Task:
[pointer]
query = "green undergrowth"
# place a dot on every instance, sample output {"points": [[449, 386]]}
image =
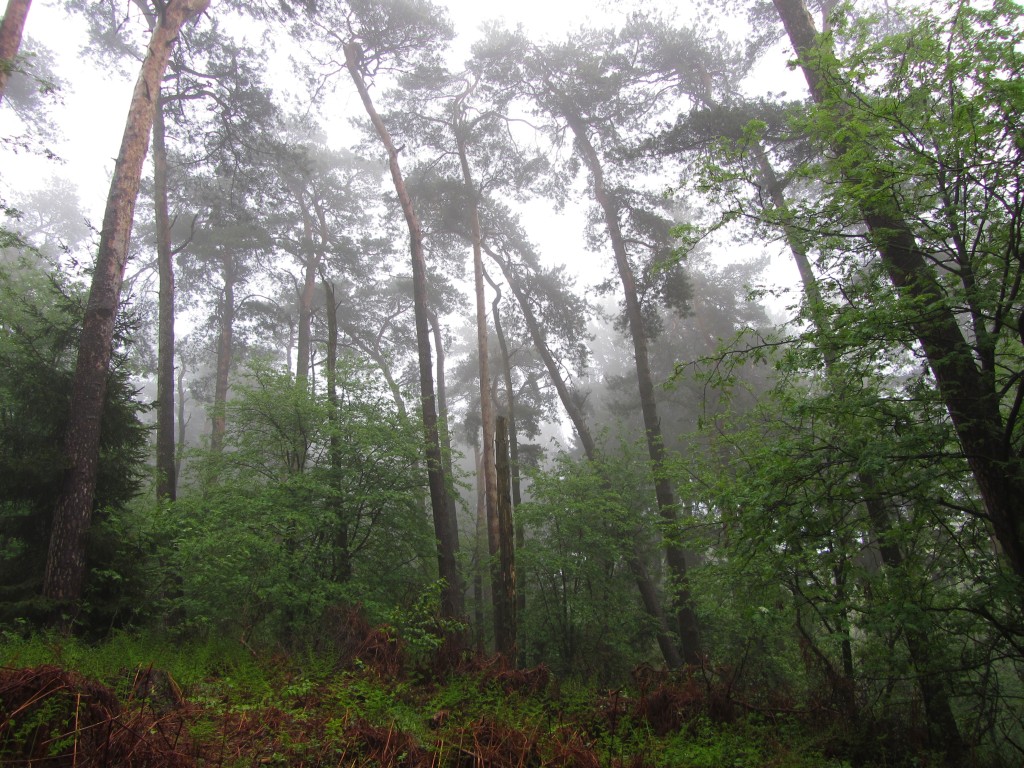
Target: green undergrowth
{"points": [[238, 709]]}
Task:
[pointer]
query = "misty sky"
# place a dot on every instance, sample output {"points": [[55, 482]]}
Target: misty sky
{"points": [[94, 101]]}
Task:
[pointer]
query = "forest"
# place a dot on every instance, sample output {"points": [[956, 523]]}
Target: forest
{"points": [[435, 399]]}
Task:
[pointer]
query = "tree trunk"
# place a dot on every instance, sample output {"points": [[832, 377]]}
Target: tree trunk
{"points": [[444, 527], [478, 555], [225, 344], [510, 404], [504, 619], [378, 357], [65, 563], [11, 30], [313, 257], [513, 437], [444, 430], [179, 453], [503, 573], [539, 338], [648, 592], [689, 634], [341, 555], [942, 723], [972, 404], [166, 467]]}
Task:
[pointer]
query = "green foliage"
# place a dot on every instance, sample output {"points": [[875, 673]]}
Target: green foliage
{"points": [[583, 523], [119, 658], [422, 628], [39, 323], [299, 510], [800, 590]]}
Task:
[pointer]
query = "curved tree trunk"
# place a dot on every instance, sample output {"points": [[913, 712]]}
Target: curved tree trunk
{"points": [[11, 30], [65, 564], [377, 356], [539, 338], [513, 436], [510, 407], [444, 527]]}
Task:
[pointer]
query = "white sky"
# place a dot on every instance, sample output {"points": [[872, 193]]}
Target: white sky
{"points": [[95, 103]]}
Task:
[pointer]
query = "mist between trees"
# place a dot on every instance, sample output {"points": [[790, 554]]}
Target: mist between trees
{"points": [[289, 373]]}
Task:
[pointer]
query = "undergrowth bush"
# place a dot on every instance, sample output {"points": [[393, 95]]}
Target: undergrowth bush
{"points": [[229, 707]]}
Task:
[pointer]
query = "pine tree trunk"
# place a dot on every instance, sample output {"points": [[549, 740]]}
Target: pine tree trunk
{"points": [[686, 618], [11, 30], [65, 563], [182, 423], [309, 267], [444, 431], [513, 437], [225, 348], [645, 585], [478, 556], [342, 556], [539, 338], [166, 467], [444, 526], [504, 620], [503, 579]]}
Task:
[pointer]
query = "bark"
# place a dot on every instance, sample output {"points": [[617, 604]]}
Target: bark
{"points": [[182, 422], [513, 437], [918, 282], [314, 234], [309, 271], [11, 29], [225, 345], [539, 338], [444, 526], [166, 466], [797, 246], [65, 564], [478, 555], [967, 392], [504, 619], [686, 618], [443, 428], [934, 694], [341, 553], [645, 585], [652, 604], [503, 574], [510, 408]]}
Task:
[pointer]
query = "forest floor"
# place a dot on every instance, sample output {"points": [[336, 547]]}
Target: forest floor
{"points": [[134, 702]]}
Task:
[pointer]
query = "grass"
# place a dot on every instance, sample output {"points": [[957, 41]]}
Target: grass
{"points": [[232, 709]]}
